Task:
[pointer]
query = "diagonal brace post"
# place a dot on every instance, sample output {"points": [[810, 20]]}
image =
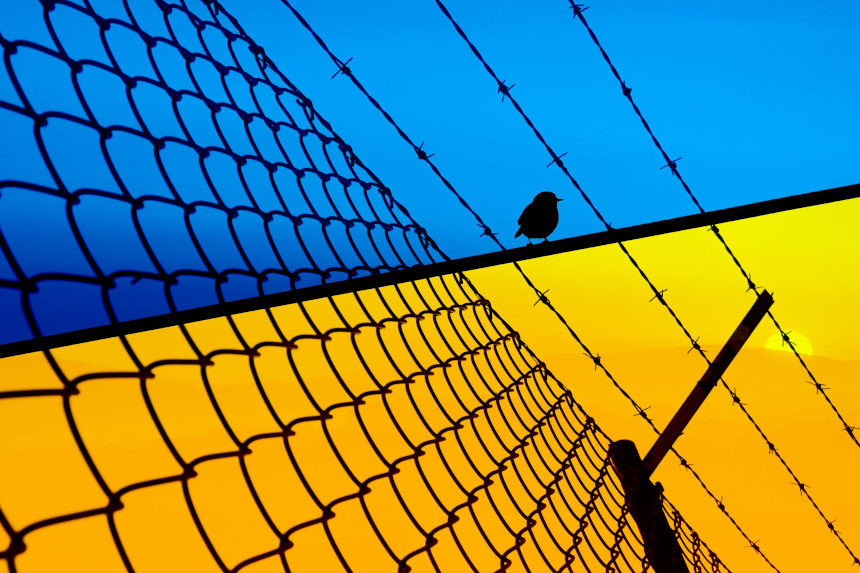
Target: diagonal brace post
{"points": [[709, 379], [645, 499]]}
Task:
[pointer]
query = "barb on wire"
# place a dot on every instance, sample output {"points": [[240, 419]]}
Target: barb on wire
{"points": [[556, 160], [578, 9], [819, 387], [542, 298], [672, 164], [343, 68], [659, 296], [695, 346], [504, 89], [486, 231], [422, 155], [642, 413]]}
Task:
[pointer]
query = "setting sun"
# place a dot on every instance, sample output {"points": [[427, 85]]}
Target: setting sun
{"points": [[800, 342]]}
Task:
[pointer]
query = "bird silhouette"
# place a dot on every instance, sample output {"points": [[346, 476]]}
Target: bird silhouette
{"points": [[540, 217]]}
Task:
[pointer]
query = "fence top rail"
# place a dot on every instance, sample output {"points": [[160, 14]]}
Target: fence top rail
{"points": [[446, 267]]}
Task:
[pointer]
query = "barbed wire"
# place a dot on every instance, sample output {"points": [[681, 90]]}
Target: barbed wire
{"points": [[751, 285], [541, 295], [658, 294], [428, 365]]}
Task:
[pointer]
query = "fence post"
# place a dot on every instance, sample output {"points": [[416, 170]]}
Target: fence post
{"points": [[645, 504]]}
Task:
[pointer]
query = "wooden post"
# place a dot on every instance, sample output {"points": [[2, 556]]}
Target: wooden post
{"points": [[645, 504]]}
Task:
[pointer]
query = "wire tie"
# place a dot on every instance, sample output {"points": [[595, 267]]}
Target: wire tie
{"points": [[422, 238], [387, 198], [488, 310], [543, 371]]}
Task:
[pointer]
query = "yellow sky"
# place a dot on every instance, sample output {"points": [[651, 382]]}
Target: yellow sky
{"points": [[810, 260]]}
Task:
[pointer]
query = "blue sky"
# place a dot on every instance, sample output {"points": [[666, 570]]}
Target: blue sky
{"points": [[760, 100]]}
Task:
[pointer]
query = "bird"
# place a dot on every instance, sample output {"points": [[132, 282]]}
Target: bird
{"points": [[540, 217]]}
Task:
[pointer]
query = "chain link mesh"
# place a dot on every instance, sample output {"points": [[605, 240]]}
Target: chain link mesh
{"points": [[404, 428]]}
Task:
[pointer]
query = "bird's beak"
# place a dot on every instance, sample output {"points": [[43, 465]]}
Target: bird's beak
{"points": [[557, 199]]}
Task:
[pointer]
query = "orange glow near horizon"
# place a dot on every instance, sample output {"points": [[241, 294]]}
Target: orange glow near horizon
{"points": [[810, 260]]}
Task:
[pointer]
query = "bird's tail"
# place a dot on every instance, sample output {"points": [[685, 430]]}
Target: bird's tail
{"points": [[519, 232]]}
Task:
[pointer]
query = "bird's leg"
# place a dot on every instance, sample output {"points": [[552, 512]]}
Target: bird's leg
{"points": [[545, 240], [530, 242]]}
